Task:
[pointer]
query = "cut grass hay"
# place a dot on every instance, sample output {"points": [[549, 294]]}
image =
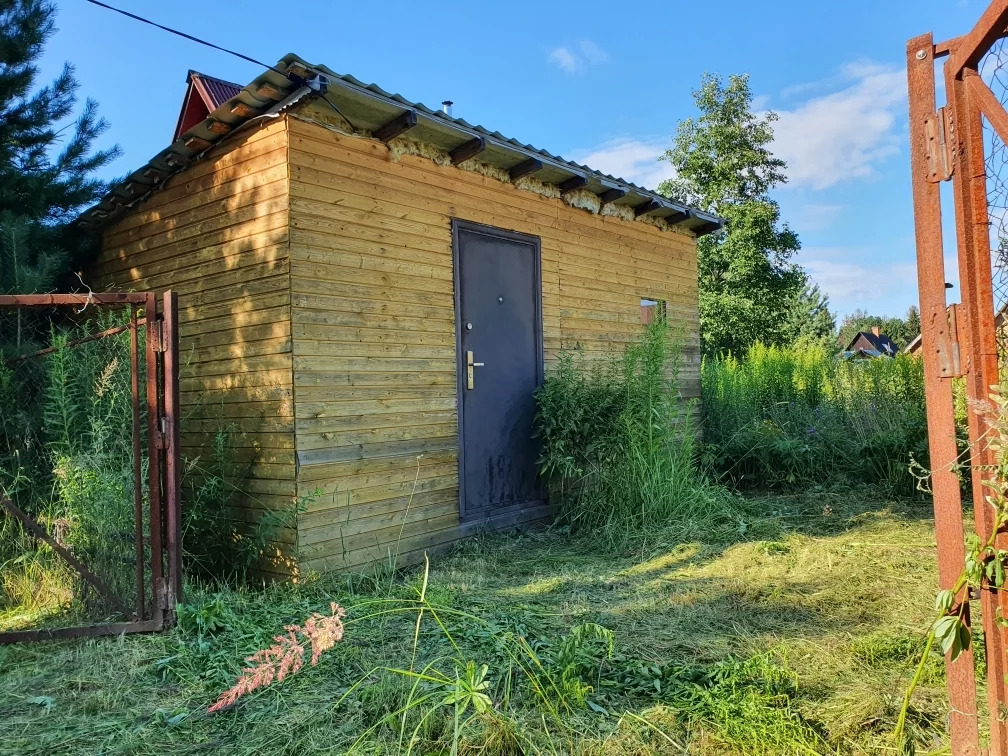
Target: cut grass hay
{"points": [[790, 631]]}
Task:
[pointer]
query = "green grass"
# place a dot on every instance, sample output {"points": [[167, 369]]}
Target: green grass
{"points": [[787, 418], [791, 631]]}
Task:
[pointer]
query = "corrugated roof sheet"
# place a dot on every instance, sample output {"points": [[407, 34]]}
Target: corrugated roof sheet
{"points": [[215, 92], [369, 107]]}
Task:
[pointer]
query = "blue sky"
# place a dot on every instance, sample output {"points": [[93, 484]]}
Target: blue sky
{"points": [[604, 83]]}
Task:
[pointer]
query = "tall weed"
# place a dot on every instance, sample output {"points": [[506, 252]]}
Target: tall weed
{"points": [[617, 441], [790, 418], [66, 459]]}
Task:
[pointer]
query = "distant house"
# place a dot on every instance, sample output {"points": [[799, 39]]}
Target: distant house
{"points": [[868, 345], [914, 346]]}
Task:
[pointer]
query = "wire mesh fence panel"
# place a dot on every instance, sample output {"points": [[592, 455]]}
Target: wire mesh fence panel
{"points": [[993, 70], [75, 537]]}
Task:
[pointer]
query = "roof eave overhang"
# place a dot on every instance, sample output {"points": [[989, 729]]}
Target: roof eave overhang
{"points": [[698, 221], [273, 92], [267, 95]]}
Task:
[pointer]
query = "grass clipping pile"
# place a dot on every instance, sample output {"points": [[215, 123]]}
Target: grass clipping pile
{"points": [[792, 632]]}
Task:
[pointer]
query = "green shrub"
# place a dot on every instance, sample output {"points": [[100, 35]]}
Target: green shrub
{"points": [[783, 418], [617, 444], [66, 459]]}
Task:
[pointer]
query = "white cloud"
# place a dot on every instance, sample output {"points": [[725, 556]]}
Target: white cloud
{"points": [[575, 58], [592, 52], [853, 279], [843, 134], [846, 280], [564, 59], [635, 160]]}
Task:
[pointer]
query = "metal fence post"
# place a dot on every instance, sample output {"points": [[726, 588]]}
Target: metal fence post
{"points": [[172, 479], [936, 339], [154, 458]]}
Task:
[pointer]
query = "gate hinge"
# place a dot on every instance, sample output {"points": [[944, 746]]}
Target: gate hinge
{"points": [[162, 437], [938, 136], [158, 337], [949, 354]]}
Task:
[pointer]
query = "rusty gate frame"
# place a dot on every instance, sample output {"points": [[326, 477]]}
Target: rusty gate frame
{"points": [[162, 401], [958, 340]]}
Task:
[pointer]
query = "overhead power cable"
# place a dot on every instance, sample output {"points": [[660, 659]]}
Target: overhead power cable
{"points": [[199, 41], [190, 37]]}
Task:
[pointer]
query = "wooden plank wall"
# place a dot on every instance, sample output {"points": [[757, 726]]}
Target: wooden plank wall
{"points": [[373, 327], [218, 234]]}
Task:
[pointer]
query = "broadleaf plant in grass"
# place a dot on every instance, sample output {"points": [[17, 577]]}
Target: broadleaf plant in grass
{"points": [[985, 566]]}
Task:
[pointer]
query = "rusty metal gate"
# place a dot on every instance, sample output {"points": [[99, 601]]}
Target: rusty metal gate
{"points": [[963, 142], [117, 570]]}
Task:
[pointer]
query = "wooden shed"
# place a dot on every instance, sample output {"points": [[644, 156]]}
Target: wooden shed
{"points": [[370, 291]]}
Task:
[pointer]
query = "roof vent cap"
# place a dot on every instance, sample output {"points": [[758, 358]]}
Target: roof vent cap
{"points": [[446, 106]]}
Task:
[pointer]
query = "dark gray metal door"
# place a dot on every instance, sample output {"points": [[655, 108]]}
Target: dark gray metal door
{"points": [[498, 316]]}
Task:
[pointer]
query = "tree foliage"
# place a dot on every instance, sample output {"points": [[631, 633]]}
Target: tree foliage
{"points": [[723, 162], [810, 322], [48, 160], [46, 166], [913, 323]]}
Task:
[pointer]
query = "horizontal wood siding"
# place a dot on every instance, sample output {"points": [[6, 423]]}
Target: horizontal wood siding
{"points": [[218, 234], [372, 325]]}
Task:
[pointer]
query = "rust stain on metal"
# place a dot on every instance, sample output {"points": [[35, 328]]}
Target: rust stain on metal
{"points": [[154, 455], [963, 342], [75, 342], [989, 105], [969, 204], [970, 192], [172, 469], [970, 47], [939, 160], [137, 474], [63, 300], [936, 341]]}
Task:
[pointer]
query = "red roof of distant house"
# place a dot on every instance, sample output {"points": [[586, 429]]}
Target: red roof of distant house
{"points": [[210, 93]]}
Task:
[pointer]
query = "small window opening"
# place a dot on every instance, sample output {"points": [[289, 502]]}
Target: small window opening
{"points": [[652, 310]]}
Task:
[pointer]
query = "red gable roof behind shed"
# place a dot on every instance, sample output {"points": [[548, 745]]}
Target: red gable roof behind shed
{"points": [[203, 95]]}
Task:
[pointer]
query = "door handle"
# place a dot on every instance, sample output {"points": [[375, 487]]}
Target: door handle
{"points": [[470, 370]]}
